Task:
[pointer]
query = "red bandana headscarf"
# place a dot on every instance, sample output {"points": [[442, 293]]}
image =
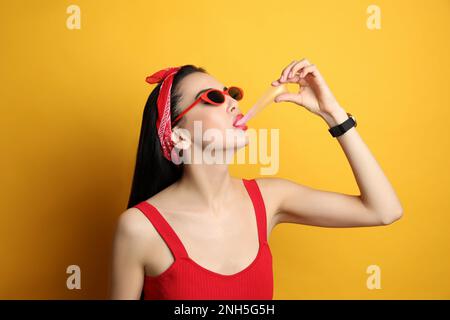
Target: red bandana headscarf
{"points": [[164, 123]]}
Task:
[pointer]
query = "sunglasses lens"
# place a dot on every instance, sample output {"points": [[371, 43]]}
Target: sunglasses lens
{"points": [[236, 93], [216, 96]]}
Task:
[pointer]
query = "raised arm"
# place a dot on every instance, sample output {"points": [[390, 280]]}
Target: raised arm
{"points": [[377, 203]]}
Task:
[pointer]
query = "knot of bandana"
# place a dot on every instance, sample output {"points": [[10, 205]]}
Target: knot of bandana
{"points": [[163, 122]]}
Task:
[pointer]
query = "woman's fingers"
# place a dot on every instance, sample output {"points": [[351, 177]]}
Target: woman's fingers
{"points": [[296, 72], [290, 97], [301, 64], [289, 73], [295, 79], [285, 72], [309, 69]]}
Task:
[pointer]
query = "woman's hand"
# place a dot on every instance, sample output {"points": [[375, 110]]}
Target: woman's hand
{"points": [[314, 93]]}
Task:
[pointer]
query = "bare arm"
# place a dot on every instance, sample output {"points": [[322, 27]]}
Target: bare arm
{"points": [[128, 251], [376, 205], [377, 194], [292, 202]]}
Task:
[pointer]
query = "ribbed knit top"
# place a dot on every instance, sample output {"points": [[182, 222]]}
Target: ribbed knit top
{"points": [[185, 279]]}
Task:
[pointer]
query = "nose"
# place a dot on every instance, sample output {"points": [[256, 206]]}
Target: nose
{"points": [[233, 107]]}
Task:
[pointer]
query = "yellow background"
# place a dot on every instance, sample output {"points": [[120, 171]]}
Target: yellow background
{"points": [[71, 108]]}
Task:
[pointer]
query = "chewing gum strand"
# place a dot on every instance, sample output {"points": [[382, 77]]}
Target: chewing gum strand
{"points": [[266, 99]]}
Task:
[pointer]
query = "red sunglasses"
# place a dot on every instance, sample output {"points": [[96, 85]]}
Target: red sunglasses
{"points": [[214, 97]]}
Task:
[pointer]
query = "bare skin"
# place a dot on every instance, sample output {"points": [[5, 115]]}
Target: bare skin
{"points": [[212, 212]]}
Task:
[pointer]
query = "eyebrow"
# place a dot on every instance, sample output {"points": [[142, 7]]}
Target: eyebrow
{"points": [[201, 91]]}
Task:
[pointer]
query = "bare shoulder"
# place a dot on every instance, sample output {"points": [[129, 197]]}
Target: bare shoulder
{"points": [[133, 224], [276, 187], [134, 227], [272, 190], [273, 181]]}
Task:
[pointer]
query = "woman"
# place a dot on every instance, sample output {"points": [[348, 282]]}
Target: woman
{"points": [[192, 231]]}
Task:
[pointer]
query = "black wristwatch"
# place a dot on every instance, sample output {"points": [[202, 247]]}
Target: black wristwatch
{"points": [[342, 128]]}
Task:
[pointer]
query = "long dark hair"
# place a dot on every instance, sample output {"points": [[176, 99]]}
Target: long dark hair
{"points": [[153, 172]]}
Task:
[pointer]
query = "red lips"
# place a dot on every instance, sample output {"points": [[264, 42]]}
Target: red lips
{"points": [[241, 126]]}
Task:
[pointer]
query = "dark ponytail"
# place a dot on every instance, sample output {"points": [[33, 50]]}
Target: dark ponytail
{"points": [[153, 172]]}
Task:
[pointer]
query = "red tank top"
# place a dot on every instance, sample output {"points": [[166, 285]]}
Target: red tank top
{"points": [[187, 280]]}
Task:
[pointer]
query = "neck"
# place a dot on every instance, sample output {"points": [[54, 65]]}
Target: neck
{"points": [[207, 183]]}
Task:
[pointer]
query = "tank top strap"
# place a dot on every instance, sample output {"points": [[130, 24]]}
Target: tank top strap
{"points": [[164, 229], [260, 209]]}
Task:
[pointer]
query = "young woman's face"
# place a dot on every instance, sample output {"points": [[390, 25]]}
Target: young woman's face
{"points": [[215, 122]]}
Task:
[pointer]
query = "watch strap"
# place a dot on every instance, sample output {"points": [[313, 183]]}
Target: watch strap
{"points": [[340, 129]]}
